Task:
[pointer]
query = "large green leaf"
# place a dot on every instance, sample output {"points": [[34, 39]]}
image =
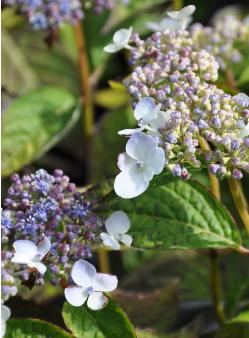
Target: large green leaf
{"points": [[178, 215], [110, 322], [33, 328], [33, 123], [238, 327], [17, 74]]}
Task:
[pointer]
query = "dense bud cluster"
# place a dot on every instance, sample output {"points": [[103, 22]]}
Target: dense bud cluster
{"points": [[222, 39], [169, 68], [42, 205], [49, 14]]}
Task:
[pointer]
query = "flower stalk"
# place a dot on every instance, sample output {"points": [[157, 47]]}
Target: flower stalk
{"points": [[87, 114], [213, 254], [240, 201]]}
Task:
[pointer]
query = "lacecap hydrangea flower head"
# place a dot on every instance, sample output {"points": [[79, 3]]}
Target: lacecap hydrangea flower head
{"points": [[48, 229], [177, 103]]}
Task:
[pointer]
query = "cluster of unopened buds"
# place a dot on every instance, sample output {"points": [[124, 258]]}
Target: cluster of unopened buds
{"points": [[48, 228], [177, 106], [49, 14]]}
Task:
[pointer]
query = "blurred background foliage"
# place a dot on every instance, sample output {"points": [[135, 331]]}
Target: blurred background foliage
{"points": [[165, 294]]}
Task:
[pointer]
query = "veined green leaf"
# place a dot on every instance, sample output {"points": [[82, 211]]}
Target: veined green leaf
{"points": [[33, 123], [34, 328], [177, 215], [110, 322]]}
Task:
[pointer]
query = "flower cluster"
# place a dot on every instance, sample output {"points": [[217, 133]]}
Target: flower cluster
{"points": [[50, 226], [48, 14], [177, 103], [222, 39]]}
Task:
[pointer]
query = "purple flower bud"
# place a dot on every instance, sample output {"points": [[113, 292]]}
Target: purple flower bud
{"points": [[237, 174]]}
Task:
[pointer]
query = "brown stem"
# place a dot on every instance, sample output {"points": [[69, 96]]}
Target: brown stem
{"points": [[87, 114]]}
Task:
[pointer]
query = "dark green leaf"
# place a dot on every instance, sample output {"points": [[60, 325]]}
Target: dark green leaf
{"points": [[33, 123], [17, 74], [33, 328], [178, 215], [110, 322]]}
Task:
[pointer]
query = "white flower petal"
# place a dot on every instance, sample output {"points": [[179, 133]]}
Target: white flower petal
{"points": [[183, 13], [97, 301], [125, 162], [104, 282], [25, 251], [145, 110], [140, 146], [128, 132], [242, 99], [148, 173], [244, 132], [158, 160], [83, 273], [75, 295], [127, 186], [43, 247], [38, 266], [5, 312], [117, 223], [112, 48], [109, 241], [126, 240], [122, 36]]}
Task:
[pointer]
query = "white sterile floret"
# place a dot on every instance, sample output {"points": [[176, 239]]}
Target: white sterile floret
{"points": [[142, 160], [242, 100], [168, 23], [184, 17], [244, 132], [183, 14], [116, 226], [27, 252], [90, 286], [149, 117], [120, 40], [5, 314]]}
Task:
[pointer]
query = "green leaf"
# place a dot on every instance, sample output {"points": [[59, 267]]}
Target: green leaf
{"points": [[237, 327], [178, 215], [109, 322], [34, 328], [33, 123], [244, 77], [111, 98], [17, 74]]}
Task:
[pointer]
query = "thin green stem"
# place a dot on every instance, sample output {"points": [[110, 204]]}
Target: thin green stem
{"points": [[216, 285], [240, 201], [215, 282]]}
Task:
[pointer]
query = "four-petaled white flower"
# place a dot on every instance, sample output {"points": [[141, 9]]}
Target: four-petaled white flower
{"points": [[242, 100], [244, 132], [176, 20], [120, 40], [149, 117], [117, 225], [90, 286], [27, 252], [143, 159], [5, 314]]}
